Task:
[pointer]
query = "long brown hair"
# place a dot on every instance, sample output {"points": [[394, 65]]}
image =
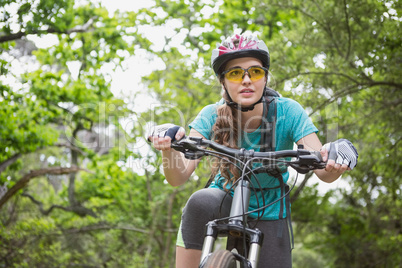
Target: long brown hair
{"points": [[226, 131]]}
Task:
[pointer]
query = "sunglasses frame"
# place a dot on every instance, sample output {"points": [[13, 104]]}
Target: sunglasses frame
{"points": [[245, 71]]}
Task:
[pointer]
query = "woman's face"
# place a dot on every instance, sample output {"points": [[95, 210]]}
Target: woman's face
{"points": [[245, 92]]}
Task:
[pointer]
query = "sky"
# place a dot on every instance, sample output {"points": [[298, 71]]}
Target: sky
{"points": [[128, 81]]}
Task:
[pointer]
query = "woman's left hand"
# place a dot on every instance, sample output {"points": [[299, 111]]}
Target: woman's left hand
{"points": [[341, 155]]}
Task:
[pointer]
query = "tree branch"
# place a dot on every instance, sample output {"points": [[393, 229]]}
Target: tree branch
{"points": [[71, 147], [11, 160], [320, 73], [373, 83], [76, 29], [105, 227], [32, 174], [40, 205], [346, 91], [354, 89]]}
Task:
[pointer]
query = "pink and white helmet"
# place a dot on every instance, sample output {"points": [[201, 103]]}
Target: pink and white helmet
{"points": [[239, 46]]}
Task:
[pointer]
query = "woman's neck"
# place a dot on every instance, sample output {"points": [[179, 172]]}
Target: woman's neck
{"points": [[251, 120]]}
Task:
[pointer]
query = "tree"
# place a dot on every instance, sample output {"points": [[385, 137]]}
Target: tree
{"points": [[64, 154], [340, 60]]}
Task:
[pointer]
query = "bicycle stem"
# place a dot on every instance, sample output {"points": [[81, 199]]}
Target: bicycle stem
{"points": [[241, 199]]}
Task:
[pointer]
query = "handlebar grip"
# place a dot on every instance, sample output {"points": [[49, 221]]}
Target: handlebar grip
{"points": [[171, 132]]}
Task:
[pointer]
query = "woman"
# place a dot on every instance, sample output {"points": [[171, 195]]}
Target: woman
{"points": [[241, 64]]}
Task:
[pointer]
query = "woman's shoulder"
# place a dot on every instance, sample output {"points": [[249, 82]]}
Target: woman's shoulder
{"points": [[289, 107], [287, 101], [205, 120], [207, 114], [210, 108]]}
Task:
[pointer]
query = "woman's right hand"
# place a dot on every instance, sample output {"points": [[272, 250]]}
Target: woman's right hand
{"points": [[176, 167], [162, 136]]}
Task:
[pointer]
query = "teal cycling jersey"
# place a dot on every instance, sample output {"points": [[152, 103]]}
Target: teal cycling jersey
{"points": [[292, 124]]}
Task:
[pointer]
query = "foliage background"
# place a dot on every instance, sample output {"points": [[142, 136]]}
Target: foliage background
{"points": [[69, 193]]}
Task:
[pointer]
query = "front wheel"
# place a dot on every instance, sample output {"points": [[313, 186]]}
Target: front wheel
{"points": [[221, 259]]}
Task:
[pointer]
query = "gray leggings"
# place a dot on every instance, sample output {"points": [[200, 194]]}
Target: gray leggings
{"points": [[203, 206]]}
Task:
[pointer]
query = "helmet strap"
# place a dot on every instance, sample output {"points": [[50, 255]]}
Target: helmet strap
{"points": [[237, 106]]}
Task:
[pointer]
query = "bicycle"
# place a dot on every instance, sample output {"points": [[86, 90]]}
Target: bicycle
{"points": [[235, 226]]}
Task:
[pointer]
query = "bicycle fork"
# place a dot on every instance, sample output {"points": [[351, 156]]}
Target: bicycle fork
{"points": [[236, 228]]}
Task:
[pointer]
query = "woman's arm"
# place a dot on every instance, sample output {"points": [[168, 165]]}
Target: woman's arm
{"points": [[332, 171], [176, 167]]}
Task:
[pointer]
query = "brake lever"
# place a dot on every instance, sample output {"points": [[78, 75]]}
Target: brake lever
{"points": [[308, 161], [320, 164], [190, 147]]}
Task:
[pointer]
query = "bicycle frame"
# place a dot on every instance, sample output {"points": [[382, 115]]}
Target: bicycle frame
{"points": [[194, 148], [235, 228]]}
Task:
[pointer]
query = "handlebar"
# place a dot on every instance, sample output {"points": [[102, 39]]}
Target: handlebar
{"points": [[196, 147]]}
